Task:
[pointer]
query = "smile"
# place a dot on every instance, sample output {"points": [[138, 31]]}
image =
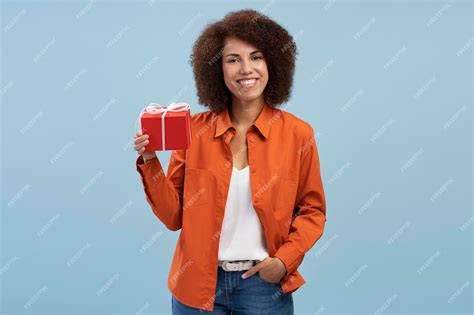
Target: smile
{"points": [[247, 84]]}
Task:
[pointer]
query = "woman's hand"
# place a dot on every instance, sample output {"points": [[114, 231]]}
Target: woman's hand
{"points": [[140, 142], [271, 269]]}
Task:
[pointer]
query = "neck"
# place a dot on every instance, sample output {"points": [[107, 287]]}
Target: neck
{"points": [[243, 114]]}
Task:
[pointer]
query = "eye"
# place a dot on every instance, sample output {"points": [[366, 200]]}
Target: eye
{"points": [[231, 60], [257, 57]]}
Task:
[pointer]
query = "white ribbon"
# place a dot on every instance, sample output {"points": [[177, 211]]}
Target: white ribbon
{"points": [[155, 109]]}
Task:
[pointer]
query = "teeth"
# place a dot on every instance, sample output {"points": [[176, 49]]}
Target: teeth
{"points": [[248, 83]]}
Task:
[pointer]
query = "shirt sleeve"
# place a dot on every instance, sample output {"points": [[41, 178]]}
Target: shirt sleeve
{"points": [[310, 218], [165, 193]]}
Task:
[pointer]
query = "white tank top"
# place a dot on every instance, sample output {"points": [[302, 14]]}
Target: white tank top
{"points": [[242, 236]]}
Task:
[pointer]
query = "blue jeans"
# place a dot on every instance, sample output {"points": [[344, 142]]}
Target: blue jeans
{"points": [[238, 296]]}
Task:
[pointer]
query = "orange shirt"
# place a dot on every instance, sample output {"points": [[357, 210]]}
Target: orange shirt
{"points": [[287, 194]]}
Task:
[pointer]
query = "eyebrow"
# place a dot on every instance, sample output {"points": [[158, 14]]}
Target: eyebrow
{"points": [[237, 55]]}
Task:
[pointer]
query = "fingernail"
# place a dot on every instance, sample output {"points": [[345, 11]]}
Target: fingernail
{"points": [[244, 277]]}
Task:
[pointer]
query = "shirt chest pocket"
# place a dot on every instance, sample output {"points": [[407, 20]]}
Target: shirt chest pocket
{"points": [[197, 189]]}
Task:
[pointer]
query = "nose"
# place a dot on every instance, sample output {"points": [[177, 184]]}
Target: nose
{"points": [[246, 67]]}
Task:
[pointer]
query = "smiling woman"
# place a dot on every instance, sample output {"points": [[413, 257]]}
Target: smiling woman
{"points": [[247, 194], [270, 47], [245, 69]]}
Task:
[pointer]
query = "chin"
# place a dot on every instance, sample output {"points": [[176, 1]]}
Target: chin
{"points": [[248, 97]]}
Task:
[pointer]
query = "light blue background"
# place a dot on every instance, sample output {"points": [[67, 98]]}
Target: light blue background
{"points": [[62, 134]]}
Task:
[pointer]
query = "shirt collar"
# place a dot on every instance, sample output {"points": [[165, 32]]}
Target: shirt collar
{"points": [[262, 123]]}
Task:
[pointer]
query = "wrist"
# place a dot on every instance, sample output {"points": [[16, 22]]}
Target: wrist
{"points": [[145, 160]]}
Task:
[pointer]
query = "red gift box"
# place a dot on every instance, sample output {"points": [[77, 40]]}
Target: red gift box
{"points": [[169, 128]]}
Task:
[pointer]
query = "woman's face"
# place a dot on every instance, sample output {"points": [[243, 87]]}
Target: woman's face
{"points": [[245, 69]]}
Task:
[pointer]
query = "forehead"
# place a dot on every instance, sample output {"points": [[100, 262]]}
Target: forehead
{"points": [[234, 44]]}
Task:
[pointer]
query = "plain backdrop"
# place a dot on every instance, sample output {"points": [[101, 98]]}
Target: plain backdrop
{"points": [[386, 85]]}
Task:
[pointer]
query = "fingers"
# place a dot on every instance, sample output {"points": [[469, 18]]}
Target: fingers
{"points": [[140, 138], [255, 268], [140, 146], [251, 271], [140, 142]]}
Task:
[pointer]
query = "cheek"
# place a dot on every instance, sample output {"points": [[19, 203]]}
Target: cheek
{"points": [[225, 72], [264, 72], [228, 75], [227, 78], [264, 78]]}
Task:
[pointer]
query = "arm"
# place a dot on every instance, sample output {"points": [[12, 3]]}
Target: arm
{"points": [[164, 193], [308, 225]]}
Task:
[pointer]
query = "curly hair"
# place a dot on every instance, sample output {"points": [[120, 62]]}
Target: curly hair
{"points": [[276, 44]]}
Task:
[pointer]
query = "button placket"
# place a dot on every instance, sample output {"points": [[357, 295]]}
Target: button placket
{"points": [[250, 145], [253, 178], [227, 139]]}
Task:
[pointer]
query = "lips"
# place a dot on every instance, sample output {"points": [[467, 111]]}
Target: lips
{"points": [[247, 83]]}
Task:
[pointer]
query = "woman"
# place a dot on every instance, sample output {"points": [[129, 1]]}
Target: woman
{"points": [[247, 194]]}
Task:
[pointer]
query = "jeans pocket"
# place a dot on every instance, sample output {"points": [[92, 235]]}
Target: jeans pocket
{"points": [[265, 281]]}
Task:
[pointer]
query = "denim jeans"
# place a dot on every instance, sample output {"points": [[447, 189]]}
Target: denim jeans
{"points": [[238, 296]]}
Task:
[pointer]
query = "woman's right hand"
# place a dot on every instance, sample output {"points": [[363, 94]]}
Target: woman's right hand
{"points": [[140, 142]]}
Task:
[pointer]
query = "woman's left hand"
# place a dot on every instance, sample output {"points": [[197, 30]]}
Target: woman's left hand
{"points": [[271, 269]]}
